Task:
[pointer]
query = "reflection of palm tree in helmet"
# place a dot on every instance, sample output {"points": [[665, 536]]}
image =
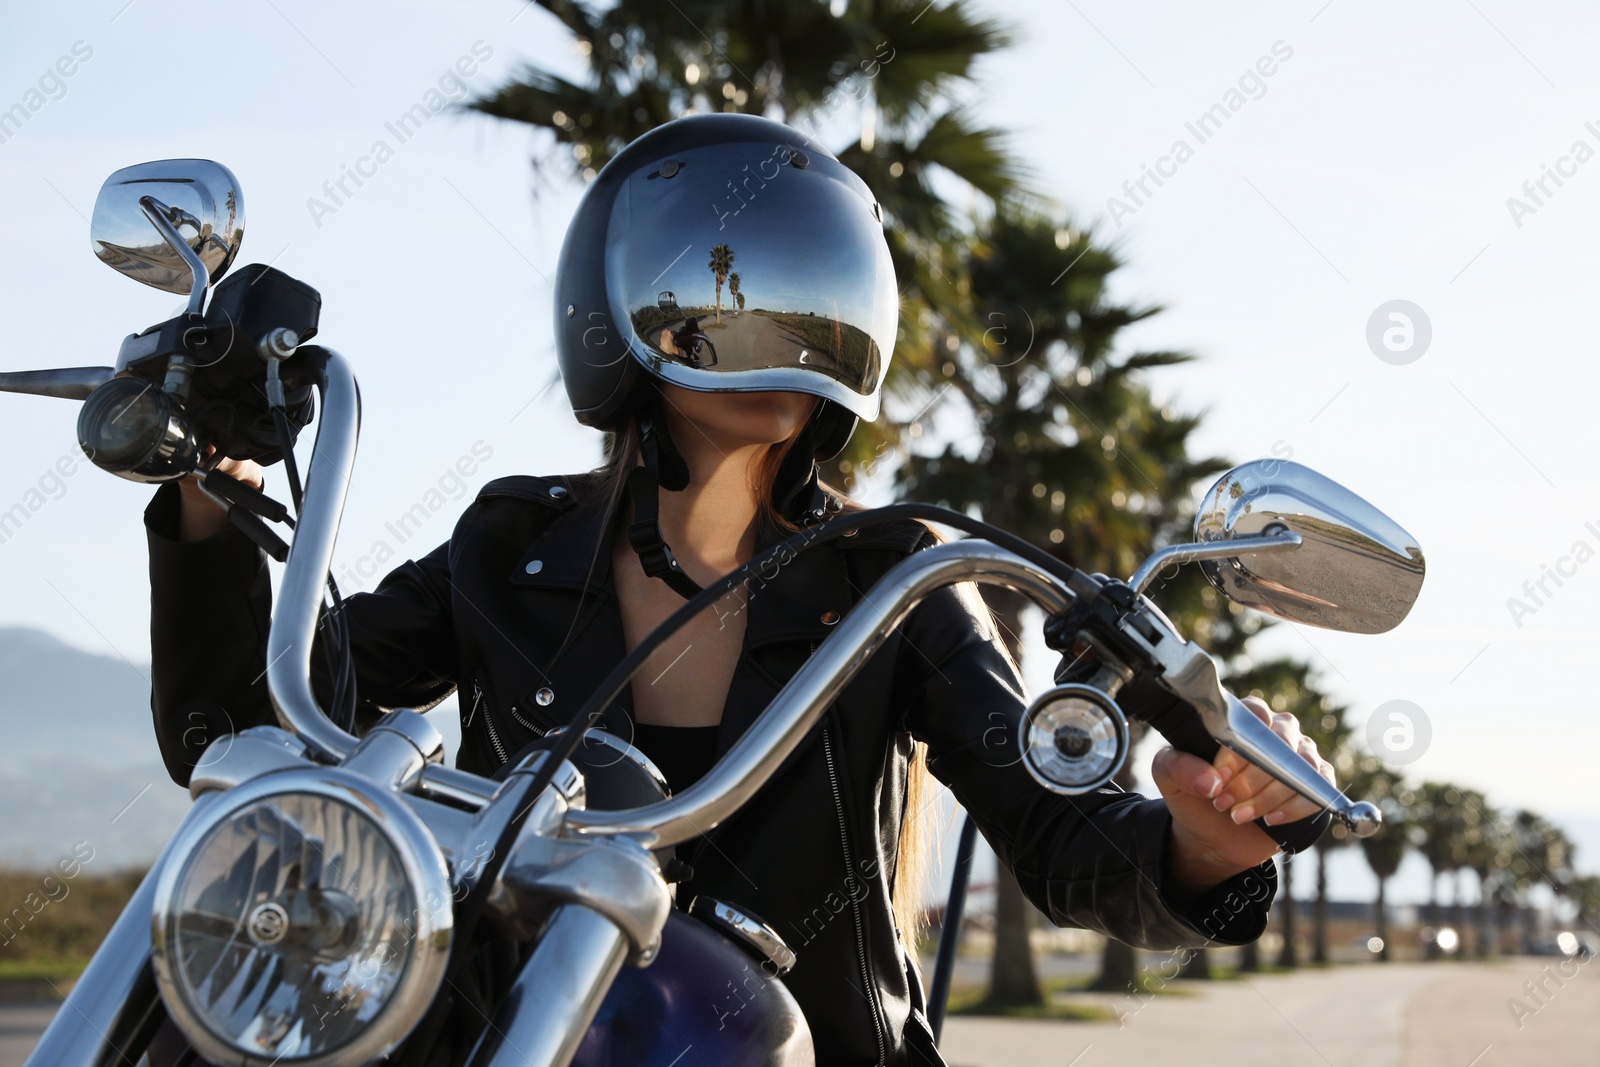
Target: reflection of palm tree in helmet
{"points": [[733, 290], [721, 264]]}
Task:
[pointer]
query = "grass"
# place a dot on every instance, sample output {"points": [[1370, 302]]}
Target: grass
{"points": [[1066, 999], [51, 925], [64, 968]]}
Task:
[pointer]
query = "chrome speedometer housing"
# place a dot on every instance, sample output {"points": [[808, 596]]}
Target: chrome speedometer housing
{"points": [[304, 917]]}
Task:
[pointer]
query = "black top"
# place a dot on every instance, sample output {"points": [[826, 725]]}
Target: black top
{"points": [[683, 753]]}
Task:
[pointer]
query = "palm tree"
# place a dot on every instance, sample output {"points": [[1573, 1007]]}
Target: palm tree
{"points": [[733, 290], [1543, 856], [1071, 451], [721, 264], [1585, 895], [1440, 826], [896, 68], [1385, 849], [1286, 685], [1481, 854]]}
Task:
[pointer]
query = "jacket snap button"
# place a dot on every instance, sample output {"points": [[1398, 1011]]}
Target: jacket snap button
{"points": [[829, 618], [534, 566], [545, 697], [558, 492]]}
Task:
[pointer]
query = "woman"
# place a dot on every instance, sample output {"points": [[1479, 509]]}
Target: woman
{"points": [[547, 582]]}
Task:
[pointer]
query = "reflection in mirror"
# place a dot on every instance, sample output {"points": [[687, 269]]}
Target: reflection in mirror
{"points": [[1355, 569], [199, 198]]}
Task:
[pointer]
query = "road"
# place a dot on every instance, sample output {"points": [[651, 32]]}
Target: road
{"points": [[1398, 1015]]}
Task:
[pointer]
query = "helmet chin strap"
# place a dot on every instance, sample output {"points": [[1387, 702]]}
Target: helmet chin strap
{"points": [[664, 468]]}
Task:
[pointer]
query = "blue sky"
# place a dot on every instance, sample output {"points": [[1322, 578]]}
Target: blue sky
{"points": [[1376, 162]]}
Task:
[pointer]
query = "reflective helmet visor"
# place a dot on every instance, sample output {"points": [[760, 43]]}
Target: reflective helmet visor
{"points": [[815, 308]]}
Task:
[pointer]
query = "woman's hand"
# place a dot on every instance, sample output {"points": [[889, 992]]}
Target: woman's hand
{"points": [[1214, 805], [200, 517]]}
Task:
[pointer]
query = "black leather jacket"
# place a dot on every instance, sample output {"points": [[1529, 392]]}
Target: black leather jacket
{"points": [[814, 852]]}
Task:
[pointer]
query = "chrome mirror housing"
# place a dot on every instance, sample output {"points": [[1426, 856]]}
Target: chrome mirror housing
{"points": [[1354, 568], [198, 200]]}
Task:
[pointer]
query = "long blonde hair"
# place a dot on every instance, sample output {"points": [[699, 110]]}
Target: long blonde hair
{"points": [[914, 850]]}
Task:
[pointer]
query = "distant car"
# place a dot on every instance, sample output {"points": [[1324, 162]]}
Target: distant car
{"points": [[1436, 943], [1564, 944], [1369, 941]]}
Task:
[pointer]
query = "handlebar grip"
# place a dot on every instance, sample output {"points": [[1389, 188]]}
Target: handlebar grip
{"points": [[1181, 726]]}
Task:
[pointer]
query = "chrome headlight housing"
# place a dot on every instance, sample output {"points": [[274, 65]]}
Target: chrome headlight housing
{"points": [[305, 918]]}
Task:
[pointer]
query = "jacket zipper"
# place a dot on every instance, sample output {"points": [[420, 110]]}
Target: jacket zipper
{"points": [[855, 905], [538, 731], [488, 721]]}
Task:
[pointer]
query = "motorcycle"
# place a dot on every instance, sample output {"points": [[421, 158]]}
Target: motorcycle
{"points": [[689, 341], [325, 887]]}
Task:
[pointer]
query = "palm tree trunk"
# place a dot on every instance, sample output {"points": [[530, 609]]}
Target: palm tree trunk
{"points": [[1382, 917], [1197, 966], [1455, 907], [1481, 918], [1013, 979], [1319, 916], [1287, 956], [1250, 957], [1118, 968]]}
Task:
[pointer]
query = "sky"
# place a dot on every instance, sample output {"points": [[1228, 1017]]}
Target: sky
{"points": [[1283, 178]]}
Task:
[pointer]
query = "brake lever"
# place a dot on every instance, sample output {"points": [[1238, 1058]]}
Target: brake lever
{"points": [[1188, 672]]}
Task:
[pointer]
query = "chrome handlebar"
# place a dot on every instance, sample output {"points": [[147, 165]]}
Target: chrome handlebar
{"points": [[1187, 670], [746, 766], [305, 573]]}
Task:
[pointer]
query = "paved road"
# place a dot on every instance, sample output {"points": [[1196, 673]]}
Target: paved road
{"points": [[20, 1027], [1400, 1015]]}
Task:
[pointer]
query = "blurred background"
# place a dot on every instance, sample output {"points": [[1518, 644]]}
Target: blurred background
{"points": [[1136, 244]]}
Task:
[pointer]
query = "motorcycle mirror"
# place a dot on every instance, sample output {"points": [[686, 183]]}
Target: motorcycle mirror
{"points": [[1353, 569], [200, 200]]}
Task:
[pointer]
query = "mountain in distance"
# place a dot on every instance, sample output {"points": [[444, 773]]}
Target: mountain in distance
{"points": [[79, 749], [80, 761]]}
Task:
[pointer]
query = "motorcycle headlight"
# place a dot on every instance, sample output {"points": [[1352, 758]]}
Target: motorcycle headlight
{"points": [[304, 918], [1074, 739]]}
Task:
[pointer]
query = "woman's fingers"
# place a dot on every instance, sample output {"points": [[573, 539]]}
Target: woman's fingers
{"points": [[1251, 793], [1191, 774]]}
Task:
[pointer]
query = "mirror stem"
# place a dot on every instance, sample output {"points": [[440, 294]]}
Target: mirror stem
{"points": [[200, 276], [1239, 546]]}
